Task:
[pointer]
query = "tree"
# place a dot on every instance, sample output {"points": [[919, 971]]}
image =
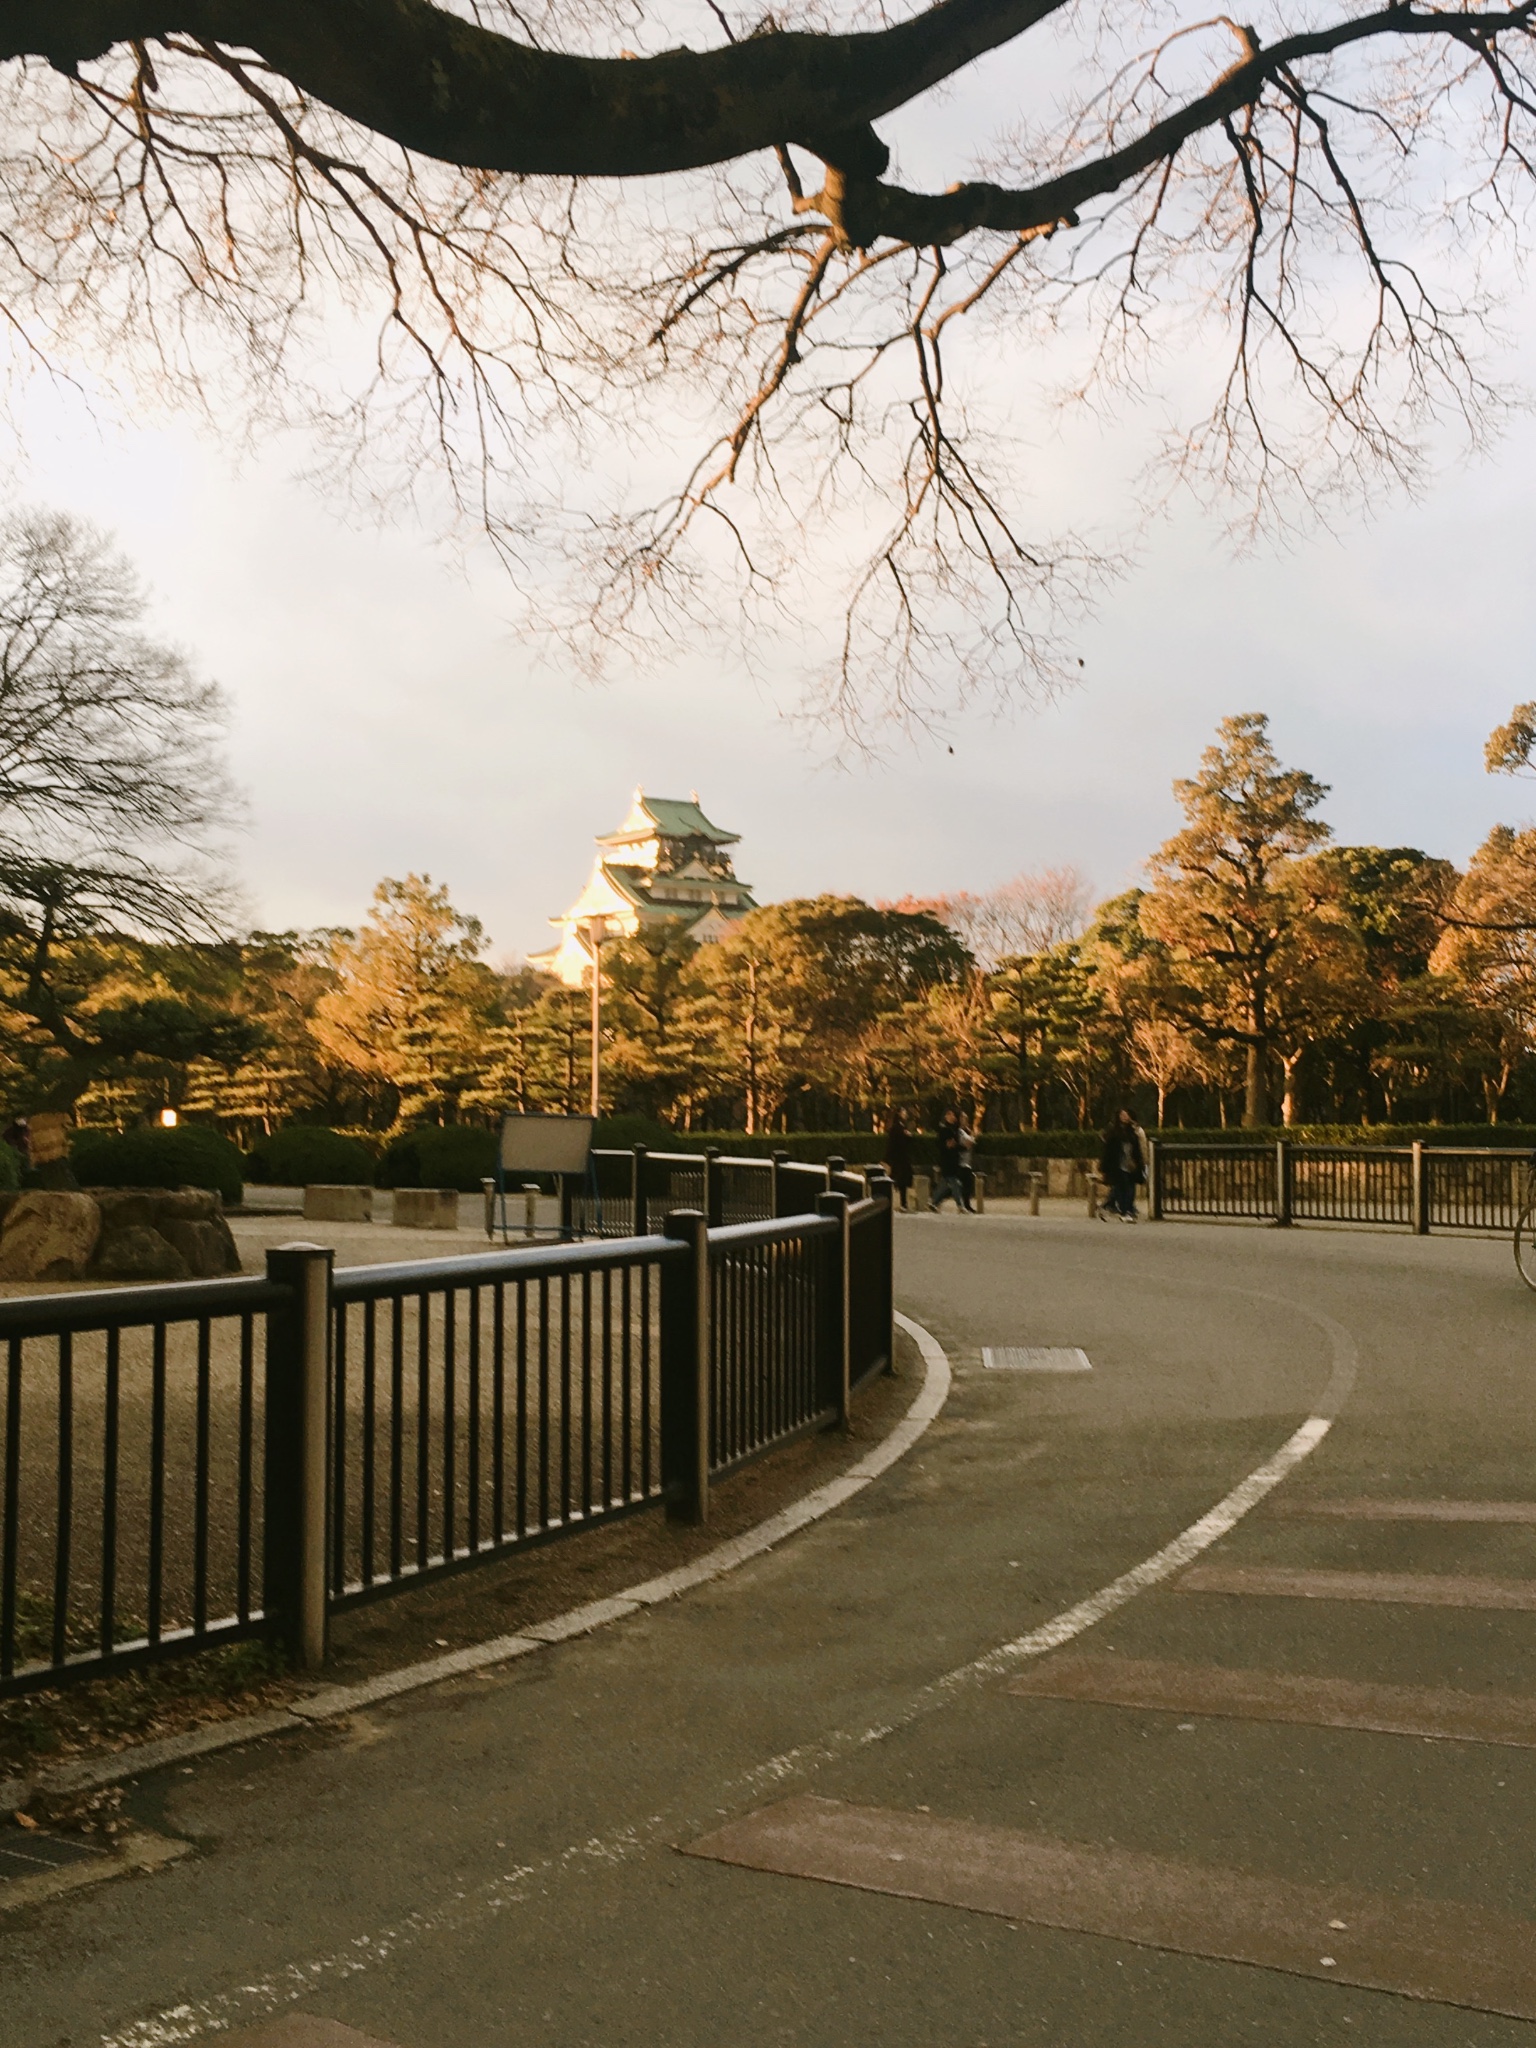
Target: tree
{"points": [[794, 991], [1164, 1055], [1029, 914], [1489, 950], [1319, 190], [412, 1002], [112, 800], [650, 983], [1232, 897]]}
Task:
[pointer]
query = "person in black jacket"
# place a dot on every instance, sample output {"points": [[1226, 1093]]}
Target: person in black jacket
{"points": [[947, 1181], [1122, 1167], [898, 1155]]}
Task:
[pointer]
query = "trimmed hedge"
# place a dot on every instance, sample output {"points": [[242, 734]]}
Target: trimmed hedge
{"points": [[301, 1154], [439, 1156], [188, 1156]]}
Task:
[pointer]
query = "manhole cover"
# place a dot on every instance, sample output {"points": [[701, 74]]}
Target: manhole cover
{"points": [[1034, 1358]]}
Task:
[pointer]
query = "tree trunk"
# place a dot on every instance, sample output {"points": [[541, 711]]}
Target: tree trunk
{"points": [[1255, 1091], [1288, 1100]]}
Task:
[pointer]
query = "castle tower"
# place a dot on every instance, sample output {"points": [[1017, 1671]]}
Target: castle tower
{"points": [[666, 864]]}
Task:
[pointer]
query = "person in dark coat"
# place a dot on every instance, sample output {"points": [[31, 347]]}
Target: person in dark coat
{"points": [[1122, 1167], [898, 1155], [947, 1181]]}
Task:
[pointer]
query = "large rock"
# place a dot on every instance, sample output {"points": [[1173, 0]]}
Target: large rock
{"points": [[48, 1235], [163, 1234], [207, 1247], [138, 1253]]}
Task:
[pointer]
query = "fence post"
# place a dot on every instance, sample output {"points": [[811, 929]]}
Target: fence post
{"points": [[1154, 1181], [836, 1329], [834, 1165], [567, 1208], [1420, 1191], [297, 1486], [714, 1188], [488, 1191], [1282, 1182], [883, 1189], [639, 1210], [685, 1347], [776, 1186]]}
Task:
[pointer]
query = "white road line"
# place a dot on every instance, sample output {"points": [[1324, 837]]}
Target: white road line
{"points": [[217, 2015]]}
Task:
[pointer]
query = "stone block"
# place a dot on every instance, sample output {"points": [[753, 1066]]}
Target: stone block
{"points": [[324, 1203], [427, 1208], [48, 1235]]}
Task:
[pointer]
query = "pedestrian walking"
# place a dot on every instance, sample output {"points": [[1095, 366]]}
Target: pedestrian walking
{"points": [[898, 1155], [967, 1168], [1122, 1167], [947, 1183]]}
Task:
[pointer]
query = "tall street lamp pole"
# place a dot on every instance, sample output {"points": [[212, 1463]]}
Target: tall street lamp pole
{"points": [[597, 931]]}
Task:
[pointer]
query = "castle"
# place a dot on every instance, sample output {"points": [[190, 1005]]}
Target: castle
{"points": [[666, 864]]}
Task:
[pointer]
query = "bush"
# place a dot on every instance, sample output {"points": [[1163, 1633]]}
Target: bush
{"points": [[439, 1156], [10, 1168], [620, 1133], [188, 1156], [302, 1154]]}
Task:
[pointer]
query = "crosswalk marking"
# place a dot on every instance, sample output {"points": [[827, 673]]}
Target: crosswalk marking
{"points": [[1366, 1508], [1303, 1701], [1408, 1589], [1442, 1952]]}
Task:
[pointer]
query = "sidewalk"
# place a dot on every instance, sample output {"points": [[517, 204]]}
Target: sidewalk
{"points": [[498, 1860]]}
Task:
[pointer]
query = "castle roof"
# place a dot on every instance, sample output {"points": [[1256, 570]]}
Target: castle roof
{"points": [[667, 817]]}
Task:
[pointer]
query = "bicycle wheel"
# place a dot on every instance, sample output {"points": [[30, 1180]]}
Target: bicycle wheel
{"points": [[1525, 1245]]}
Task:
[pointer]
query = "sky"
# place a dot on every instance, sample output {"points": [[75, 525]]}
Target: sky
{"points": [[386, 718]]}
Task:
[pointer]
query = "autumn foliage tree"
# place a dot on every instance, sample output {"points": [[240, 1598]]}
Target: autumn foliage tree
{"points": [[554, 226]]}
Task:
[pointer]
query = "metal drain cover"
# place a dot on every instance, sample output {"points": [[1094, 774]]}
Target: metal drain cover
{"points": [[1034, 1358]]}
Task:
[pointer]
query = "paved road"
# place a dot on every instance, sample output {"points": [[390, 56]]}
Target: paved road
{"points": [[497, 1862]]}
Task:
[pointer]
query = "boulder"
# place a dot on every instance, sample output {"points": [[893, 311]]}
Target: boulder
{"points": [[206, 1247], [48, 1235], [188, 1223], [135, 1252]]}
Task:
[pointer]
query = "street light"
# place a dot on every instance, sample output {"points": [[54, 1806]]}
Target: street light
{"points": [[597, 931]]}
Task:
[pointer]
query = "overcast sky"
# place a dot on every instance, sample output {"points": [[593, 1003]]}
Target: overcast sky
{"points": [[386, 719]]}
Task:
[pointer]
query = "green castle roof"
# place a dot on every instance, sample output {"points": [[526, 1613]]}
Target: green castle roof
{"points": [[673, 818]]}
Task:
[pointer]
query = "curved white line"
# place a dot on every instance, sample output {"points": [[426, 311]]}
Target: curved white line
{"points": [[285, 1987]]}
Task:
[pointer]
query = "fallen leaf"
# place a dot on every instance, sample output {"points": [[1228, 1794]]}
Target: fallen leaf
{"points": [[24, 1820]]}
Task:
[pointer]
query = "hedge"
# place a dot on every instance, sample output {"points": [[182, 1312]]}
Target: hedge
{"points": [[10, 1168], [439, 1156], [188, 1156], [299, 1155]]}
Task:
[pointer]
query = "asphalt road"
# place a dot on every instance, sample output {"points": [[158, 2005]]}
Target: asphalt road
{"points": [[497, 1862]]}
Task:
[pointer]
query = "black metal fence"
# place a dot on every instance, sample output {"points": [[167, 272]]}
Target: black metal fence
{"points": [[1418, 1187], [629, 1193], [186, 1465]]}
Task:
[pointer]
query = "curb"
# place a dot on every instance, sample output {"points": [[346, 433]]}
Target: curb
{"points": [[332, 1701]]}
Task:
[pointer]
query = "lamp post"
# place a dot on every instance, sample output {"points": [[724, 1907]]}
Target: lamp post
{"points": [[597, 931]]}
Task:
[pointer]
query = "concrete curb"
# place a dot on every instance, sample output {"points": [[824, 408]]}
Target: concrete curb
{"points": [[89, 1773]]}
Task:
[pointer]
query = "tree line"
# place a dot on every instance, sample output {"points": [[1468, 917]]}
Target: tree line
{"points": [[1262, 971]]}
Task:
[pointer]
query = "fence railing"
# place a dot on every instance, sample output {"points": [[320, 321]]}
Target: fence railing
{"points": [[187, 1465], [1418, 1187], [629, 1193]]}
